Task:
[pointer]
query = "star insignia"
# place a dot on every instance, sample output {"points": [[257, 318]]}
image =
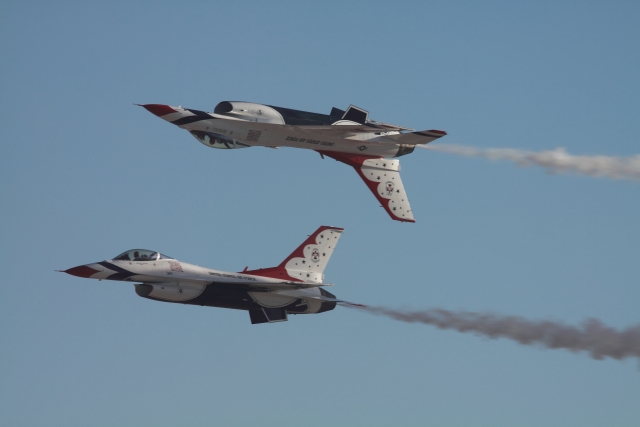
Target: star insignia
{"points": [[323, 254], [394, 208], [303, 261]]}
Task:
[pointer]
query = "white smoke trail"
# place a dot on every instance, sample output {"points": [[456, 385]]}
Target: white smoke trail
{"points": [[554, 161], [592, 336]]}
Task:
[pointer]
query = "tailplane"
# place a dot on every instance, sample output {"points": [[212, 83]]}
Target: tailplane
{"points": [[308, 261]]}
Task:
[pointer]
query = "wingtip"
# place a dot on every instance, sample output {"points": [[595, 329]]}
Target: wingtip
{"points": [[158, 109]]}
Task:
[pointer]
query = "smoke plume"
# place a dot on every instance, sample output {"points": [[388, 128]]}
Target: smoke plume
{"points": [[554, 161], [594, 337]]}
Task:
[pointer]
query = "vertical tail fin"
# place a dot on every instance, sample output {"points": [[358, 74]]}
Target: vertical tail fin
{"points": [[308, 261], [382, 176]]}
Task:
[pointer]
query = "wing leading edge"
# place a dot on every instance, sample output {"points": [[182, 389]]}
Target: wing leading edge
{"points": [[382, 176], [412, 138]]}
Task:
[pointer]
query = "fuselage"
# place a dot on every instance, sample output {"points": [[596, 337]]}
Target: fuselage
{"points": [[166, 279], [259, 125]]}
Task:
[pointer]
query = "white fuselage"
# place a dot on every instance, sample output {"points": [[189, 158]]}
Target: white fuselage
{"points": [[171, 280], [258, 134]]}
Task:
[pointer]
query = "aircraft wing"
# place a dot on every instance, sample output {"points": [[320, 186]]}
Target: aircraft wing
{"points": [[382, 176], [340, 130], [245, 285], [266, 286], [412, 138], [269, 287]]}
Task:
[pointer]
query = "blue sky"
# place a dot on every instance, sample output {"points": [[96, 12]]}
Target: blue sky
{"points": [[85, 175]]}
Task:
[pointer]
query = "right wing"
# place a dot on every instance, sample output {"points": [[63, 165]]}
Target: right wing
{"points": [[382, 176]]}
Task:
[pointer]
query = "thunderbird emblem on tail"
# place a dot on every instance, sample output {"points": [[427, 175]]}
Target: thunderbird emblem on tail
{"points": [[346, 136]]}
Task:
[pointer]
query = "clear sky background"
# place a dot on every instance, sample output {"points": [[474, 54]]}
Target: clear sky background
{"points": [[85, 175]]}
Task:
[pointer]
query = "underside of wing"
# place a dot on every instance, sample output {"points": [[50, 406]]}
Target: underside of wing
{"points": [[412, 138], [267, 286], [382, 177], [346, 129]]}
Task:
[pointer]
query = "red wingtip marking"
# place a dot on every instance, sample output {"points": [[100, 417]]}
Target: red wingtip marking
{"points": [[158, 109], [82, 271], [441, 132]]}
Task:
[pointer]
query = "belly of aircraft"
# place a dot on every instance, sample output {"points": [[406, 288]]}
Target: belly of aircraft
{"points": [[222, 297]]}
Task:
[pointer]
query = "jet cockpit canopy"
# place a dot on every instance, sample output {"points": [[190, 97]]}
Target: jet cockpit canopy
{"points": [[140, 255]]}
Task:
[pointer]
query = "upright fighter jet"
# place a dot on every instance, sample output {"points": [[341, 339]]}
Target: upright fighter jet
{"points": [[269, 294], [370, 147]]}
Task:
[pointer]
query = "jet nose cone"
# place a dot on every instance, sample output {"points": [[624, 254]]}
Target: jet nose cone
{"points": [[158, 109], [81, 271]]}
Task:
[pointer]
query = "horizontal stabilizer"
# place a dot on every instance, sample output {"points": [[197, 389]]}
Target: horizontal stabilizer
{"points": [[319, 297]]}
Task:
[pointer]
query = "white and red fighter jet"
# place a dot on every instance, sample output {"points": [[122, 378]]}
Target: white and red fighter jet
{"points": [[269, 294], [346, 136]]}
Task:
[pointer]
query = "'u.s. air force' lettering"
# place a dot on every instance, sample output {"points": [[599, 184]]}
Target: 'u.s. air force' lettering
{"points": [[232, 276], [309, 141]]}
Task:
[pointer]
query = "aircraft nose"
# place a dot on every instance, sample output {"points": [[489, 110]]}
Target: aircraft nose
{"points": [[82, 271], [158, 109]]}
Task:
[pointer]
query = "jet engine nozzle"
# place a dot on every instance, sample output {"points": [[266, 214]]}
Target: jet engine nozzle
{"points": [[327, 305]]}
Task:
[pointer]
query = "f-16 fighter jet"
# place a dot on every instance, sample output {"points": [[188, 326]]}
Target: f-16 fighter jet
{"points": [[269, 294], [370, 147]]}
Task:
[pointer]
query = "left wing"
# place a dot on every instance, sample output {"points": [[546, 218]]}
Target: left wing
{"points": [[382, 176], [337, 131], [412, 138]]}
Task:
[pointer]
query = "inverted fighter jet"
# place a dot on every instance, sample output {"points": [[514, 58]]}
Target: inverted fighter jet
{"points": [[370, 147], [269, 294]]}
